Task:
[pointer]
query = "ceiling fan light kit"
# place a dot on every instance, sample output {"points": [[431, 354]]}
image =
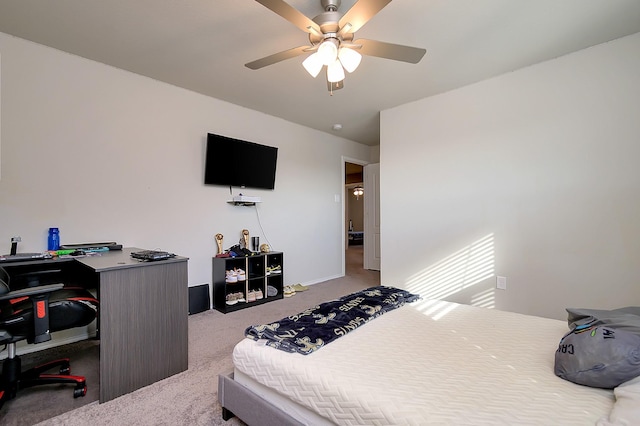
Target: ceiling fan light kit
{"points": [[328, 51], [313, 64], [335, 72], [349, 58], [331, 35], [332, 57]]}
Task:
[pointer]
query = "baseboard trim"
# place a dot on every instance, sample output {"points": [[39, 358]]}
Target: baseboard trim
{"points": [[320, 280]]}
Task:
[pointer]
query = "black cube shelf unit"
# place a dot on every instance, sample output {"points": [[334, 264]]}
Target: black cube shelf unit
{"points": [[262, 270]]}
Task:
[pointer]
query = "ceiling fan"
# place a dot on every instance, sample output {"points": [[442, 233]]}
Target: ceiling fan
{"points": [[331, 35]]}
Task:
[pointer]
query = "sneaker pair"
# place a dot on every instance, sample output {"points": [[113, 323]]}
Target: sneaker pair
{"points": [[254, 295], [233, 298], [235, 275], [289, 291], [300, 287], [276, 269]]}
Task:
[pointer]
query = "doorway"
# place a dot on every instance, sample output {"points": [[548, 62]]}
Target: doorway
{"points": [[354, 217]]}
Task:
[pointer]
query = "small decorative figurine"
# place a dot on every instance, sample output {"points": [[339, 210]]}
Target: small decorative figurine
{"points": [[245, 239], [264, 248], [219, 238]]}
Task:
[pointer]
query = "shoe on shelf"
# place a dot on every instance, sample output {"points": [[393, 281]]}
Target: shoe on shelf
{"points": [[289, 291], [300, 287], [241, 275], [232, 277], [251, 296], [276, 269], [258, 294], [271, 291], [232, 299], [240, 297]]}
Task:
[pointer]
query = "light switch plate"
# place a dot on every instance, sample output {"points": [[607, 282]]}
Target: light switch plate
{"points": [[501, 283]]}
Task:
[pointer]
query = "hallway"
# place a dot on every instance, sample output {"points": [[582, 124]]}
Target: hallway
{"points": [[354, 261]]}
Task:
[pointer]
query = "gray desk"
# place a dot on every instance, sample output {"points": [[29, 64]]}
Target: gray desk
{"points": [[143, 315], [143, 320]]}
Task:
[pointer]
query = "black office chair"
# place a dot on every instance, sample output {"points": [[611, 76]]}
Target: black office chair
{"points": [[31, 314]]}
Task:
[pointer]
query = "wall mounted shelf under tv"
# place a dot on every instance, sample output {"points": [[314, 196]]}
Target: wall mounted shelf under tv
{"points": [[244, 200], [243, 203], [234, 162]]}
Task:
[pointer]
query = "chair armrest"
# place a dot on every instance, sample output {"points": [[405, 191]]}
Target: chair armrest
{"points": [[39, 297], [31, 291]]}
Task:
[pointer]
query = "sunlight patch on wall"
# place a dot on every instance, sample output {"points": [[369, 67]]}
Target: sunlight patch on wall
{"points": [[435, 309], [458, 271], [484, 299]]}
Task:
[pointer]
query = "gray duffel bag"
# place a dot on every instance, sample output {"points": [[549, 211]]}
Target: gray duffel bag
{"points": [[602, 349]]}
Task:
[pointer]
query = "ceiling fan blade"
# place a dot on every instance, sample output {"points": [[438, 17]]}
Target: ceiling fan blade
{"points": [[396, 52], [361, 12], [292, 15], [277, 57]]}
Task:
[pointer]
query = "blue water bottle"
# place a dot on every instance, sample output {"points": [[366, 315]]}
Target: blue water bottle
{"points": [[54, 239]]}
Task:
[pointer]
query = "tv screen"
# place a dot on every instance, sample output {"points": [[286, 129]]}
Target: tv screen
{"points": [[234, 162]]}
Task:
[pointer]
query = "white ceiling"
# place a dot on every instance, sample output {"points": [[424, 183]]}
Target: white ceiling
{"points": [[202, 45]]}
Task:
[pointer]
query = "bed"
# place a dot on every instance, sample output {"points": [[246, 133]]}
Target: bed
{"points": [[427, 362]]}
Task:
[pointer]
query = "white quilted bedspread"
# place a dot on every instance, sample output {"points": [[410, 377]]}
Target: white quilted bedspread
{"points": [[471, 366]]}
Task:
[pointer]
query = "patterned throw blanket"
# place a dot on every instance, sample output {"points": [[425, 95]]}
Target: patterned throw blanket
{"points": [[316, 327]]}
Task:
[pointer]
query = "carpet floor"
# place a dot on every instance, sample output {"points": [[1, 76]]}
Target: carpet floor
{"points": [[189, 397]]}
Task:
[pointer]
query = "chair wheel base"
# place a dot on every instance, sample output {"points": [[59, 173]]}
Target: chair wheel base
{"points": [[78, 392]]}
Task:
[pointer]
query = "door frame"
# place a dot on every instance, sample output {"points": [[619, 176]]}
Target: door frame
{"points": [[372, 258]]}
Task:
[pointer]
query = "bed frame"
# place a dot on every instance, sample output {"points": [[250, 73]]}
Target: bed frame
{"points": [[239, 401]]}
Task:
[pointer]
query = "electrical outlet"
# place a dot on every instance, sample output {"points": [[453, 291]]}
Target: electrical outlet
{"points": [[501, 283]]}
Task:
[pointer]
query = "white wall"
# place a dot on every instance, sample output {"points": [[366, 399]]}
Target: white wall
{"points": [[542, 165], [107, 155]]}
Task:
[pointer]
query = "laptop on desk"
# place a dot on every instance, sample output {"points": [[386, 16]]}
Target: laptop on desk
{"points": [[151, 255]]}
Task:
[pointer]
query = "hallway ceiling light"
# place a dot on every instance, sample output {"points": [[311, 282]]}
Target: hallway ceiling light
{"points": [[358, 191]]}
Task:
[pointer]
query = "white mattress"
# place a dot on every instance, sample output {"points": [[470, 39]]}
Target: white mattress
{"points": [[432, 363]]}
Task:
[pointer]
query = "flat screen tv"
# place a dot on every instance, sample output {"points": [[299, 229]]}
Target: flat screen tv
{"points": [[234, 162]]}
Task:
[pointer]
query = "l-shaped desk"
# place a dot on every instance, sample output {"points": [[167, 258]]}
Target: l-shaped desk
{"points": [[143, 315]]}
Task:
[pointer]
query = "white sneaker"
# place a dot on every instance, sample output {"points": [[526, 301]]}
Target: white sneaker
{"points": [[232, 277], [241, 275], [232, 299]]}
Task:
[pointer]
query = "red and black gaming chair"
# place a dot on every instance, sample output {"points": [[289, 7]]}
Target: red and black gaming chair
{"points": [[33, 313]]}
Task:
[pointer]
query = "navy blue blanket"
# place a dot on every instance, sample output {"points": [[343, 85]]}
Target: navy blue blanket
{"points": [[316, 327]]}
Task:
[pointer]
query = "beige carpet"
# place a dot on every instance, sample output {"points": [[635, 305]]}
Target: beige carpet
{"points": [[191, 396]]}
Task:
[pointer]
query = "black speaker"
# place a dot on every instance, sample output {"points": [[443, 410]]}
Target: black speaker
{"points": [[199, 299]]}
